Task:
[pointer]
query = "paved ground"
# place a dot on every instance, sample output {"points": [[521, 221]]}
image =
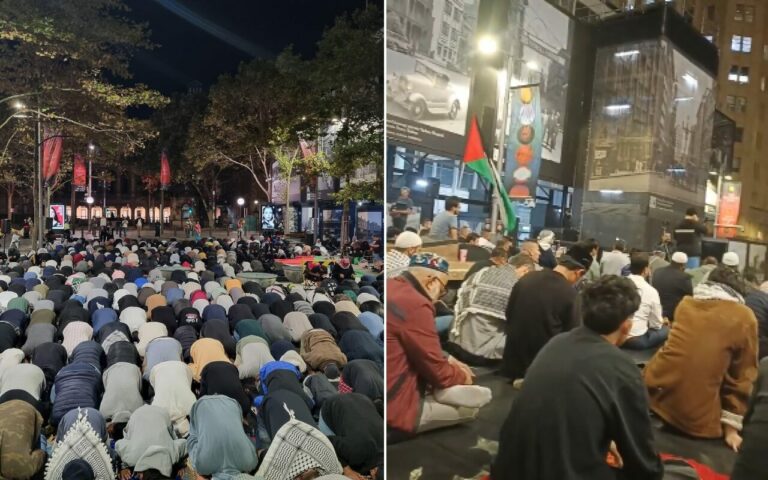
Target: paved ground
{"points": [[465, 451]]}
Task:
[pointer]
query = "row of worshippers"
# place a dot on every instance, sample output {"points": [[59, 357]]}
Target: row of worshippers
{"points": [[107, 368]]}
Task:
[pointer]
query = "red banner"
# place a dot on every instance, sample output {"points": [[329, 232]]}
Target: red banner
{"points": [[165, 171], [79, 175], [728, 210], [52, 147]]}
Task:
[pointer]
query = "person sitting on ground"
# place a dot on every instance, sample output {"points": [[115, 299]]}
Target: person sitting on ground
{"points": [[613, 262], [415, 359], [546, 240], [542, 304], [477, 336], [699, 381], [757, 301], [673, 284], [531, 249], [700, 274], [648, 325], [407, 244], [600, 406], [731, 259], [498, 257], [751, 464]]}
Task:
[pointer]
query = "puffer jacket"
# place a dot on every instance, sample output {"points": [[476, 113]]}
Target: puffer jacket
{"points": [[20, 425], [76, 385], [318, 348]]}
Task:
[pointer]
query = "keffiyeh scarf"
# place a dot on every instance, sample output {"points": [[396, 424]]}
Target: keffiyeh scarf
{"points": [[716, 291], [80, 442], [485, 293]]}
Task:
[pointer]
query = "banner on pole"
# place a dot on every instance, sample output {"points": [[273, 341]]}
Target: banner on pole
{"points": [[52, 148], [728, 211], [79, 174], [523, 149], [165, 171]]}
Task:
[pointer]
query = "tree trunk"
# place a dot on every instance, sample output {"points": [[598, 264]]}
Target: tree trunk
{"points": [[287, 217], [345, 224], [9, 193]]}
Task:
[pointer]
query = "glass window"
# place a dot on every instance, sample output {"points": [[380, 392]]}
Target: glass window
{"points": [[739, 14], [454, 34], [445, 29], [741, 104], [741, 43], [733, 73], [711, 12], [744, 75], [749, 14], [730, 103], [457, 14], [739, 134], [448, 8]]}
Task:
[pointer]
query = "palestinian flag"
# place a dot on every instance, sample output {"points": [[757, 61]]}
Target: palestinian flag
{"points": [[476, 159]]}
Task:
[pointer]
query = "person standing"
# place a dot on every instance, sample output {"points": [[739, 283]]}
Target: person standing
{"points": [[445, 225], [542, 304], [688, 235], [139, 224], [124, 226], [425, 389], [600, 407], [401, 209], [673, 284]]}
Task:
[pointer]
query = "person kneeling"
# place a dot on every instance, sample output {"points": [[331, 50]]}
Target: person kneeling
{"points": [[583, 398], [415, 359]]}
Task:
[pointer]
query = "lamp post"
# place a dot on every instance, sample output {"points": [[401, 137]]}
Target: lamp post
{"points": [[258, 215], [241, 231], [89, 201]]}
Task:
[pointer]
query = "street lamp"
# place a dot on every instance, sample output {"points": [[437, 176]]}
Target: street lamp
{"points": [[89, 201], [240, 203], [487, 45]]}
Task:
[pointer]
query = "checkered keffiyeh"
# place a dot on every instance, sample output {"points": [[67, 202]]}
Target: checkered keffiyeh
{"points": [[296, 448]]}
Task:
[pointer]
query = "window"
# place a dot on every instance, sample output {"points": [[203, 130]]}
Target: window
{"points": [[457, 14], [447, 8], [739, 15], [446, 29], [730, 103], [741, 104], [454, 34], [739, 134], [711, 12], [741, 44], [744, 13], [738, 74], [749, 14]]}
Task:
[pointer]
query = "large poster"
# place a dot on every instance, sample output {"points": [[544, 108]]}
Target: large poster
{"points": [[429, 44], [57, 214], [652, 117], [524, 141], [728, 211], [543, 58]]}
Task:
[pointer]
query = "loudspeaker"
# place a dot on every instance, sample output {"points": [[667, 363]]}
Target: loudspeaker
{"points": [[5, 225]]}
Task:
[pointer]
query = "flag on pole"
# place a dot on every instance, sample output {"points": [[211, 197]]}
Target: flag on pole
{"points": [[52, 148], [476, 159], [79, 175]]}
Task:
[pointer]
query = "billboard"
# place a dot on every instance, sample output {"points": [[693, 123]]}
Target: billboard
{"points": [[728, 210], [542, 56], [57, 213], [524, 142], [428, 50], [652, 118]]}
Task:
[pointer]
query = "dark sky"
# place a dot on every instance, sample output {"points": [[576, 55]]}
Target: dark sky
{"points": [[201, 39]]}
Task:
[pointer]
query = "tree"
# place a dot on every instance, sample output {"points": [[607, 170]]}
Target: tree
{"points": [[62, 61], [350, 79]]}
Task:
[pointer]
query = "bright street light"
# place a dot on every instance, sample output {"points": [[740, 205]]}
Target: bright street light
{"points": [[89, 200], [255, 202], [18, 105], [241, 201], [91, 147], [488, 45]]}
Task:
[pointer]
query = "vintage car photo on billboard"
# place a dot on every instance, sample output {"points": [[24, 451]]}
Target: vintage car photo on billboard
{"points": [[424, 92]]}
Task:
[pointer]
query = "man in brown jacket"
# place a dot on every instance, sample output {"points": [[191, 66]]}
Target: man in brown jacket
{"points": [[700, 380], [20, 424]]}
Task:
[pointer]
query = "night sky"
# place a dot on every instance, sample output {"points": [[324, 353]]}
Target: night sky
{"points": [[201, 39]]}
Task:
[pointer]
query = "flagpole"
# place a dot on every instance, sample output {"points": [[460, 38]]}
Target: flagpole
{"points": [[502, 141]]}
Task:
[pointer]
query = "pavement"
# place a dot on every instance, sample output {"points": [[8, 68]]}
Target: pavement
{"points": [[465, 452]]}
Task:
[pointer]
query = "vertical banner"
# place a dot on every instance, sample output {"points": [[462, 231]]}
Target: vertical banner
{"points": [[79, 175], [523, 149], [52, 148], [165, 171], [728, 211]]}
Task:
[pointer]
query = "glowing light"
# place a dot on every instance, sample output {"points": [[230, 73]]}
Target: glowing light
{"points": [[626, 53], [421, 183], [532, 65], [611, 192], [488, 45]]}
